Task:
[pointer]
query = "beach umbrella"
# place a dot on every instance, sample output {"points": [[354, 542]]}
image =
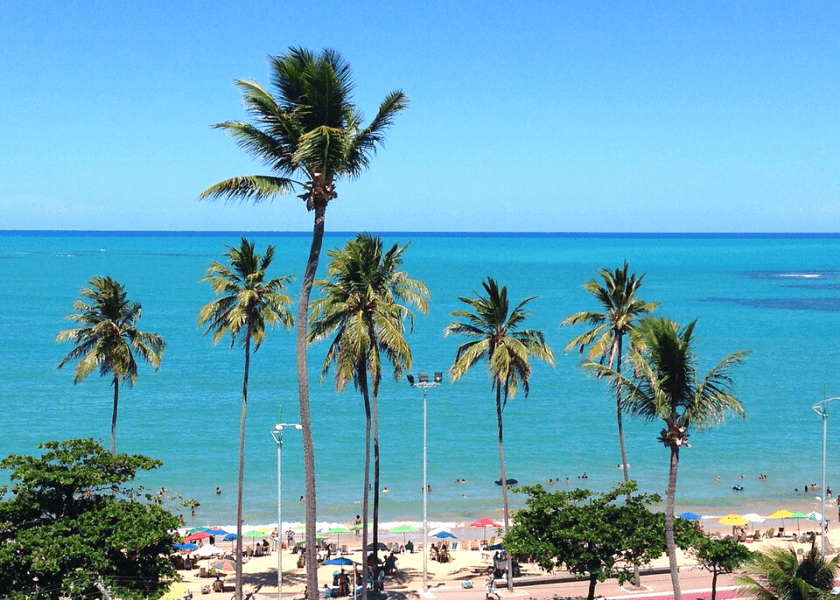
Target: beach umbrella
{"points": [[216, 531], [230, 537], [485, 523], [798, 515], [403, 529], [781, 514], [338, 560], [254, 533], [733, 519], [226, 565], [754, 518], [186, 546], [442, 533], [338, 530], [690, 516], [198, 535], [208, 551], [815, 516]]}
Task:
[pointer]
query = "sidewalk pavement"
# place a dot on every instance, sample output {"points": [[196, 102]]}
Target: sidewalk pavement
{"points": [[695, 585]]}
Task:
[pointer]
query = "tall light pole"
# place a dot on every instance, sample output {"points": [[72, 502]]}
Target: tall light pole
{"points": [[424, 383], [277, 434], [819, 408]]}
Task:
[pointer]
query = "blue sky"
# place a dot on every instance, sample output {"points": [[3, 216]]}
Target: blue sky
{"points": [[524, 116]]}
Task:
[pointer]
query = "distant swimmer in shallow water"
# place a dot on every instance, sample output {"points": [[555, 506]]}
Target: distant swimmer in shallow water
{"points": [[738, 488]]}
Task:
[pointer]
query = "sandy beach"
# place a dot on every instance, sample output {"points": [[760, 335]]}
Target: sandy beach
{"points": [[465, 565]]}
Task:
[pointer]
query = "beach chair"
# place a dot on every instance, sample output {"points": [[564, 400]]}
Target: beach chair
{"points": [[474, 545], [769, 534], [491, 541], [454, 546], [344, 549]]}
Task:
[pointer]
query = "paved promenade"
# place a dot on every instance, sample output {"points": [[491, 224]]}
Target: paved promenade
{"points": [[695, 584]]}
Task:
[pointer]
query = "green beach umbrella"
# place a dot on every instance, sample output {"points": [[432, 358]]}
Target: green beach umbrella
{"points": [[338, 530], [254, 533], [798, 515], [403, 529]]}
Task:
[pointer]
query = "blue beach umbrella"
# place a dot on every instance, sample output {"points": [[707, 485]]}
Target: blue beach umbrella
{"points": [[186, 546], [690, 516], [229, 537], [213, 531]]}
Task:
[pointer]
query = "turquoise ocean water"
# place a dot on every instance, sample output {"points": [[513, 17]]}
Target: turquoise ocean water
{"points": [[776, 295]]}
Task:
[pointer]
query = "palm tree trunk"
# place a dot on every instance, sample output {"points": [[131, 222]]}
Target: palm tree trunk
{"points": [[375, 480], [669, 521], [241, 479], [637, 578], [366, 494], [116, 383], [303, 398], [504, 477]]}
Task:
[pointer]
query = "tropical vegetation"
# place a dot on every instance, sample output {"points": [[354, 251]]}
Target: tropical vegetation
{"points": [[594, 536], [495, 334], [108, 340], [365, 303], [720, 557], [779, 574], [247, 301], [666, 386], [71, 528], [310, 135]]}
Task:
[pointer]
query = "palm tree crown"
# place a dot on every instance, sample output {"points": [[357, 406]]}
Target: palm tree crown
{"points": [[496, 335], [494, 328], [308, 132], [617, 297], [366, 303], [778, 574], [246, 299], [108, 338]]}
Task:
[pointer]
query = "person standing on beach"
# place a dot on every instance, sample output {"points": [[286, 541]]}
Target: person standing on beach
{"points": [[357, 525]]}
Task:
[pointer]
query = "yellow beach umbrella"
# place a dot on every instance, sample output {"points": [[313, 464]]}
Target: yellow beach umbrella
{"points": [[733, 519], [780, 514]]}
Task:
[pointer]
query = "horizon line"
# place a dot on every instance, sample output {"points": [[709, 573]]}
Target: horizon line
{"points": [[296, 233]]}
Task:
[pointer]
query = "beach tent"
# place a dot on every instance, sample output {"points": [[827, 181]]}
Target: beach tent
{"points": [[690, 516]]}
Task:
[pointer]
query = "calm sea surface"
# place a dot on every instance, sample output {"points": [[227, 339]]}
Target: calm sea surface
{"points": [[776, 295]]}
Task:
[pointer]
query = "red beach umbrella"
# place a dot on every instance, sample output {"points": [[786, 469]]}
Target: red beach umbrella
{"points": [[198, 535], [485, 523]]}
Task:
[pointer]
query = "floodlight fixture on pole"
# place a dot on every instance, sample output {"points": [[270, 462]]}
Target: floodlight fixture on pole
{"points": [[277, 434], [423, 383], [820, 409]]}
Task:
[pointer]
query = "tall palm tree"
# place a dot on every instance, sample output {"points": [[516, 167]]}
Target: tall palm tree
{"points": [[496, 336], [310, 135], [778, 574], [666, 387], [364, 305], [108, 339], [617, 297], [246, 302]]}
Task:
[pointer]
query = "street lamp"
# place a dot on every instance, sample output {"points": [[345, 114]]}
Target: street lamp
{"points": [[819, 408], [277, 434], [424, 383]]}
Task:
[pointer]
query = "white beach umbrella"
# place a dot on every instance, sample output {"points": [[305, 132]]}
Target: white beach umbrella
{"points": [[754, 518], [208, 551]]}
